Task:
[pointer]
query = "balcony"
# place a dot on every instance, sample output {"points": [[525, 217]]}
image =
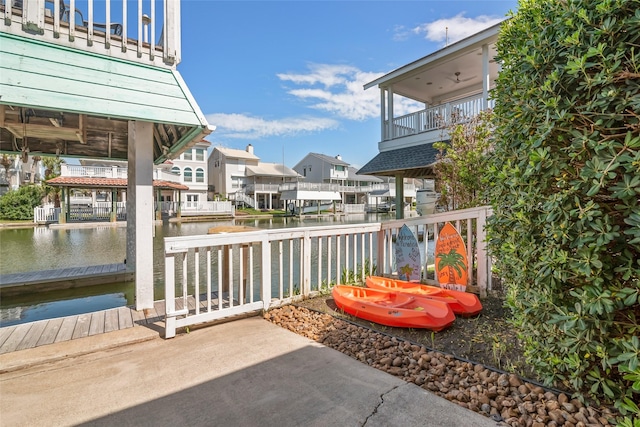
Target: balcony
{"points": [[105, 27], [431, 123]]}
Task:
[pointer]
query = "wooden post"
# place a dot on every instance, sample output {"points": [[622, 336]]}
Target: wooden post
{"points": [[114, 206], [62, 219]]}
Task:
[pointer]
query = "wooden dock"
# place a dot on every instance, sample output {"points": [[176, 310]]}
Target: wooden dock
{"points": [[49, 331], [64, 278]]}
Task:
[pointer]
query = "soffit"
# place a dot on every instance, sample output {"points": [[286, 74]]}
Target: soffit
{"points": [[62, 101]]}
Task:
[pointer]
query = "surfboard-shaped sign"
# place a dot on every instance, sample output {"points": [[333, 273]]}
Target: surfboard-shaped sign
{"points": [[451, 259], [407, 255]]}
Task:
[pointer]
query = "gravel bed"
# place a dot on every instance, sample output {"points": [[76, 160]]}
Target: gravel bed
{"points": [[502, 396]]}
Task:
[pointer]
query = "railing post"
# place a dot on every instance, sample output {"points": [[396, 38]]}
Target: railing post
{"points": [[265, 272], [170, 296], [32, 16], [481, 238], [306, 268]]}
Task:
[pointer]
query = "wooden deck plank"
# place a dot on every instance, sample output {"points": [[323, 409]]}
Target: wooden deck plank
{"points": [[5, 333], [66, 329], [110, 320], [150, 314], [82, 326], [97, 323], [15, 338], [49, 334], [138, 316], [45, 276], [32, 337], [124, 318], [161, 308]]}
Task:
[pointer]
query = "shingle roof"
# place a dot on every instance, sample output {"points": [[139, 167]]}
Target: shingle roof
{"points": [[271, 169], [355, 176], [237, 154], [73, 181], [329, 159], [411, 162]]}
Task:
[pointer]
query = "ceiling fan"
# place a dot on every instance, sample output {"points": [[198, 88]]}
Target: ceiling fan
{"points": [[457, 80]]}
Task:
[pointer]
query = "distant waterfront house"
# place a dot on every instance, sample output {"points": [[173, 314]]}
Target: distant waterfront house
{"points": [[72, 88], [353, 187], [450, 85], [239, 175]]}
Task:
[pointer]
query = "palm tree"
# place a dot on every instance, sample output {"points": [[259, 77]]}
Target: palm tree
{"points": [[453, 261], [406, 271], [52, 166]]}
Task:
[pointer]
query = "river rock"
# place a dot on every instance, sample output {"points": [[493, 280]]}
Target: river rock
{"points": [[501, 396]]}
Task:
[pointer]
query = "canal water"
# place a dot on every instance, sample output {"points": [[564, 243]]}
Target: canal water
{"points": [[43, 248]]}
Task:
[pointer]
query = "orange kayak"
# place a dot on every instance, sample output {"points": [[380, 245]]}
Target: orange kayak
{"points": [[462, 303], [393, 309]]}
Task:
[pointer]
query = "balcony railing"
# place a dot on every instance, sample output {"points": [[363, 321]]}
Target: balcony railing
{"points": [[93, 171], [210, 277], [270, 188], [308, 186], [100, 26], [437, 117]]}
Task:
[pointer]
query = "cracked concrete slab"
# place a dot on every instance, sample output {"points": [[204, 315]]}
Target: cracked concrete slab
{"points": [[410, 405], [244, 373]]}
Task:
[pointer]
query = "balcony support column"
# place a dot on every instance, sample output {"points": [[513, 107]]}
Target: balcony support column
{"points": [[486, 78], [399, 196], [140, 210], [383, 128], [390, 117]]}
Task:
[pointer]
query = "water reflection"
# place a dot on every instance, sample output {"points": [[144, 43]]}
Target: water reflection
{"points": [[43, 248]]}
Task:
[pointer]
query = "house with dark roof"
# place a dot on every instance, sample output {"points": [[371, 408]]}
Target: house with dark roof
{"points": [[352, 186], [448, 86]]}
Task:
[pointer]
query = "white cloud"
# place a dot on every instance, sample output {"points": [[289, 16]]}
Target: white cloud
{"points": [[455, 28], [336, 89], [244, 126]]}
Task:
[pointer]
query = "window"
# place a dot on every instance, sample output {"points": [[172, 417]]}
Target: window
{"points": [[187, 155], [192, 198], [176, 170], [199, 154], [188, 175], [199, 175], [339, 168]]}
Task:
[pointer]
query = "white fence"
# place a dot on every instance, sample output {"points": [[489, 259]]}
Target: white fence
{"points": [[206, 208], [46, 214], [216, 276]]}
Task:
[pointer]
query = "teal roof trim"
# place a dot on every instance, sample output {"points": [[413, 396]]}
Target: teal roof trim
{"points": [[36, 73]]}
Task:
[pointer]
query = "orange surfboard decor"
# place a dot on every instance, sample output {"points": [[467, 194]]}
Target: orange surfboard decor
{"points": [[451, 259]]}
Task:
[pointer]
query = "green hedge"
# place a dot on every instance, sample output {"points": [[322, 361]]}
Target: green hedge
{"points": [[19, 204], [565, 187]]}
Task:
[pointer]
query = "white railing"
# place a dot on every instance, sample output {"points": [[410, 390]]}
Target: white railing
{"points": [[106, 27], [100, 211], [205, 208], [308, 186], [437, 117], [269, 188], [471, 225], [241, 197], [210, 277], [46, 214], [93, 171]]}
